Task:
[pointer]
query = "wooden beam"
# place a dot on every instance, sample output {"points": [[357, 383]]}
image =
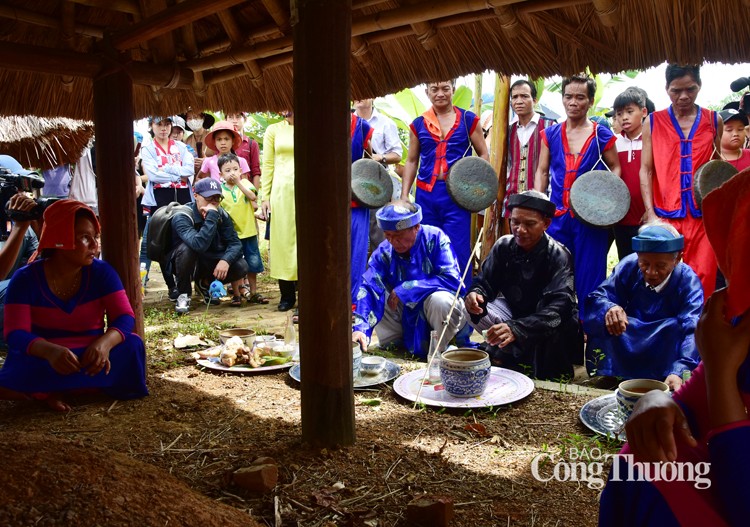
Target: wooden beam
{"points": [[508, 20], [235, 36], [279, 14], [24, 57], [191, 51], [38, 19], [608, 11], [253, 35], [322, 36], [534, 6], [162, 46], [113, 122], [67, 36], [124, 6], [168, 20], [240, 55], [422, 12]]}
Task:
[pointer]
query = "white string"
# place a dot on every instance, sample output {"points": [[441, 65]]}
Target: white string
{"points": [[450, 312]]}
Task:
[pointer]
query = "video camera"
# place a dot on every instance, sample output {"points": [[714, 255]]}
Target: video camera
{"points": [[11, 183], [739, 85]]}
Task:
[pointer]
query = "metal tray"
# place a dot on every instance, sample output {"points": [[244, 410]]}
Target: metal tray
{"points": [[389, 373]]}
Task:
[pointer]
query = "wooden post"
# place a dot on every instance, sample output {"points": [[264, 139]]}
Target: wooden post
{"points": [[493, 218], [115, 167], [322, 38]]}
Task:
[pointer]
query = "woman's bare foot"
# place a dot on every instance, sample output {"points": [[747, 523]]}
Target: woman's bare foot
{"points": [[57, 404]]}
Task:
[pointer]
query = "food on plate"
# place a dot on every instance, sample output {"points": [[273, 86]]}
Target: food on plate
{"points": [[235, 352]]}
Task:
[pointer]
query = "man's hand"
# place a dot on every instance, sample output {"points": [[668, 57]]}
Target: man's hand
{"points": [[673, 381], [500, 335], [206, 208], [221, 269], [655, 424], [358, 336], [21, 203], [62, 360], [472, 302], [265, 210], [393, 300], [96, 357], [616, 321]]}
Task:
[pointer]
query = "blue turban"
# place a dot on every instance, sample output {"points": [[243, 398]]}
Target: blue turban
{"points": [[657, 239], [396, 217]]}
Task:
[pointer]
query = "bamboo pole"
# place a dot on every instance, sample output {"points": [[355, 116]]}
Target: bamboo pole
{"points": [[322, 161], [235, 36], [38, 19], [608, 11], [124, 6], [168, 19], [191, 50], [477, 220], [161, 46], [493, 218], [38, 59]]}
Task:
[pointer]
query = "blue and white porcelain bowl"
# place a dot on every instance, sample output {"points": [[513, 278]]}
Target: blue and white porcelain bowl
{"points": [[356, 359], [465, 372]]}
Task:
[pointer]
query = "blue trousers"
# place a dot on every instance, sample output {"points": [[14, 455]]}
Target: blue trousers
{"points": [[360, 241], [588, 245], [439, 210]]}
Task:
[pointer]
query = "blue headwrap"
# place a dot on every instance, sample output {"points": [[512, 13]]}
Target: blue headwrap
{"points": [[657, 239], [396, 217]]}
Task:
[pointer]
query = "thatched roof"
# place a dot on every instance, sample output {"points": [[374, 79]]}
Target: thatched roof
{"points": [[44, 143], [236, 54]]}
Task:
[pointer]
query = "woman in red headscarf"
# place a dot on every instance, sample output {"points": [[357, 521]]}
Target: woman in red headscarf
{"points": [[55, 318]]}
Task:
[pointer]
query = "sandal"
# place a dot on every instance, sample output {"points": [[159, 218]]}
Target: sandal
{"points": [[255, 298], [236, 301]]}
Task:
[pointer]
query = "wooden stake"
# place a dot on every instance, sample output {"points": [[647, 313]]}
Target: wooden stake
{"points": [[323, 167]]}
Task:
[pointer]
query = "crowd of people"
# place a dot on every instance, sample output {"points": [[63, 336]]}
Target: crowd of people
{"points": [[539, 298]]}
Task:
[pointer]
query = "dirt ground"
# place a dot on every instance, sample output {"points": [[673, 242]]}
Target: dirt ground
{"points": [[164, 459]]}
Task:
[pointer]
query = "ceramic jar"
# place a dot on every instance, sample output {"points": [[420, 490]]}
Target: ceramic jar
{"points": [[465, 372]]}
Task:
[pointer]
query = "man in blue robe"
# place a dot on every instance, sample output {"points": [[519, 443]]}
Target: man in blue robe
{"points": [[410, 284], [641, 320]]}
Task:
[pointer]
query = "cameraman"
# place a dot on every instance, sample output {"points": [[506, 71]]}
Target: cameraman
{"points": [[21, 242]]}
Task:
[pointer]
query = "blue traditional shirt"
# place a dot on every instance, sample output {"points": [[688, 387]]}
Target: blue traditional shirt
{"points": [[430, 266], [660, 337]]}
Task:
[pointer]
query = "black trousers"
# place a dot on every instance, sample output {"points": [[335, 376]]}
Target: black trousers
{"points": [[188, 265]]}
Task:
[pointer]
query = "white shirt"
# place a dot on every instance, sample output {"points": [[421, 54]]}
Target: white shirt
{"points": [[385, 137], [524, 131], [661, 286], [625, 144]]}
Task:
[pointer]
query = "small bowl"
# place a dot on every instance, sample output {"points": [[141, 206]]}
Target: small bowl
{"points": [[265, 338], [247, 336], [285, 350], [372, 365]]}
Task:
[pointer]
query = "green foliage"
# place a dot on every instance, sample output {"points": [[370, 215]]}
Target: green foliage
{"points": [[462, 97], [256, 124]]}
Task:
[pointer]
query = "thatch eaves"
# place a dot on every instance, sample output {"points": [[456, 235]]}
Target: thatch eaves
{"points": [[236, 54], [44, 142]]}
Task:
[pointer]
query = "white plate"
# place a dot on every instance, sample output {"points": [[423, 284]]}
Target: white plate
{"points": [[213, 363], [503, 387], [600, 415], [389, 373]]}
